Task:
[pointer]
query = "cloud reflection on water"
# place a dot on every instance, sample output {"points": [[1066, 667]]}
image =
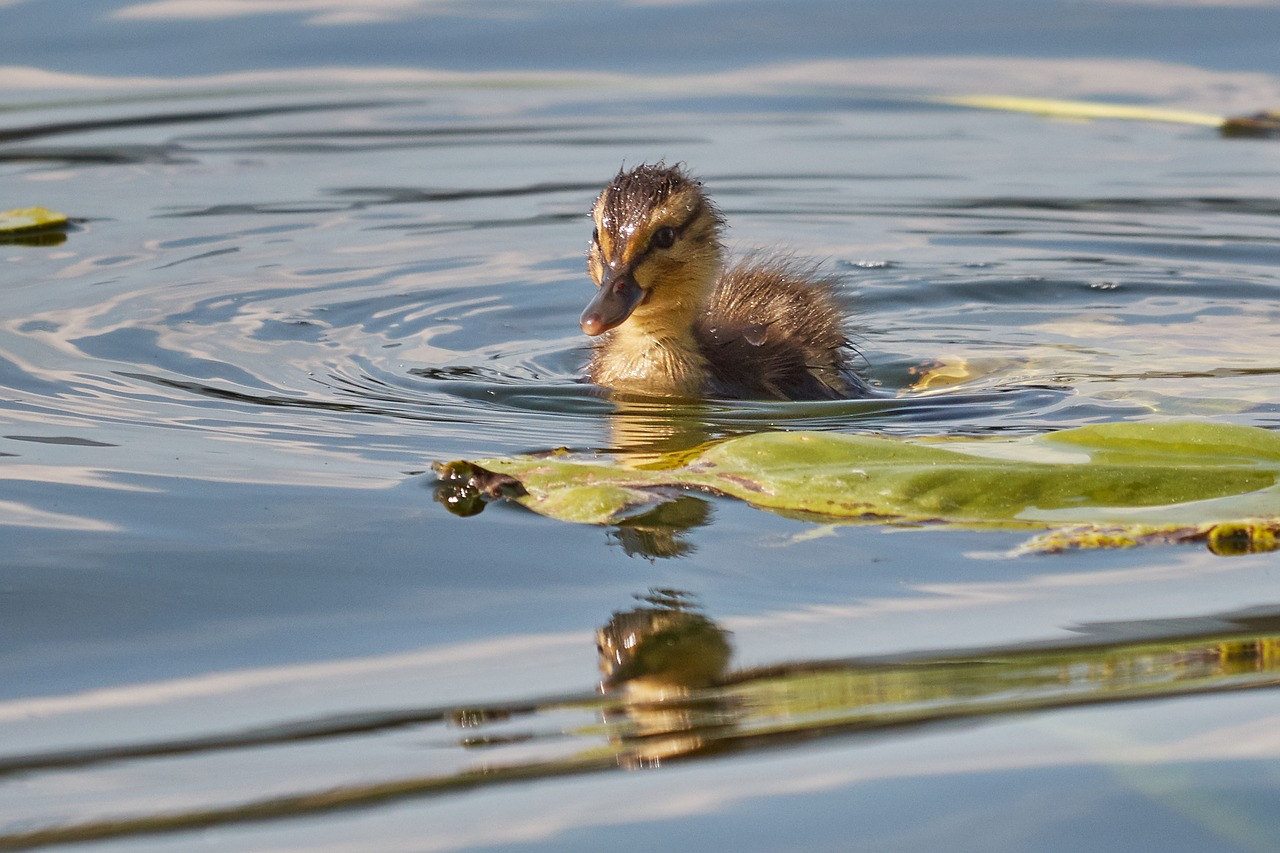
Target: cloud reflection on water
{"points": [[1168, 83], [324, 12]]}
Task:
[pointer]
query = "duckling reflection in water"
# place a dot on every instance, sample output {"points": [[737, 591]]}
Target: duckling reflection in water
{"points": [[655, 658], [672, 321], [664, 649]]}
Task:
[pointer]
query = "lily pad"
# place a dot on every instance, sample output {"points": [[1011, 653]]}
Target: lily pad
{"points": [[28, 219], [1263, 125], [1100, 486]]}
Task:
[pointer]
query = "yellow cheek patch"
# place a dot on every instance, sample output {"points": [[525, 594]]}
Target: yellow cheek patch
{"points": [[605, 244], [595, 266], [605, 229]]}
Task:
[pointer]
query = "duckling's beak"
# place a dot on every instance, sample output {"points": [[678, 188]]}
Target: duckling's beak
{"points": [[614, 301]]}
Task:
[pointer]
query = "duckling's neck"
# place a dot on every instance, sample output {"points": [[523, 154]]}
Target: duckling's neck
{"points": [[654, 353]]}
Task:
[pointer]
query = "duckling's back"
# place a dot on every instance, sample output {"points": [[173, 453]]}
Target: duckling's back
{"points": [[773, 329]]}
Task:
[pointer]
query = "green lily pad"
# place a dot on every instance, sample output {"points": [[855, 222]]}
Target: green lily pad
{"points": [[27, 219], [1098, 486]]}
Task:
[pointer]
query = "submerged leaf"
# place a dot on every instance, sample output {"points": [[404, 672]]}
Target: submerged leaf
{"points": [[1100, 486]]}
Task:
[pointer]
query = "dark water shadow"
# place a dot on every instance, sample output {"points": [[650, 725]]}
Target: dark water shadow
{"points": [[40, 131]]}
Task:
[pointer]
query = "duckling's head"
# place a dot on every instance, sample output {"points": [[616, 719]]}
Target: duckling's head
{"points": [[655, 251]]}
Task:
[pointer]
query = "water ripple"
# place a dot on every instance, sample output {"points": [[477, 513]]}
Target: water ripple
{"points": [[451, 300]]}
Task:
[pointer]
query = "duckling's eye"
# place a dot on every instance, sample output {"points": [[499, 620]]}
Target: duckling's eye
{"points": [[663, 238]]}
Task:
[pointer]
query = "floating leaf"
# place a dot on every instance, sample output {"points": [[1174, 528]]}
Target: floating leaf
{"points": [[1058, 108], [1225, 538], [1099, 486], [1265, 124], [27, 219]]}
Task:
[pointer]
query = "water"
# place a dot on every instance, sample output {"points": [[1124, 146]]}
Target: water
{"points": [[297, 278]]}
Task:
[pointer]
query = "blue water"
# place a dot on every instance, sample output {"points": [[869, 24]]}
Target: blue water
{"points": [[154, 38], [312, 255]]}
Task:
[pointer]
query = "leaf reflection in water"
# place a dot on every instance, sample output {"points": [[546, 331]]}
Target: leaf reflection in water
{"points": [[668, 698]]}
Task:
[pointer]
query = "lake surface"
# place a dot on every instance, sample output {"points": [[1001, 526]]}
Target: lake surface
{"points": [[315, 251]]}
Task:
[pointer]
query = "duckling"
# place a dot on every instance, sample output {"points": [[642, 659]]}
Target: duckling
{"points": [[671, 321]]}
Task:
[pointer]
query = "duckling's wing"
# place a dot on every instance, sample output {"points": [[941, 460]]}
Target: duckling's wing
{"points": [[773, 329], [771, 370]]}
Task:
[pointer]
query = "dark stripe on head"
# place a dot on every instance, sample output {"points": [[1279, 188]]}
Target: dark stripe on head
{"points": [[642, 188]]}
